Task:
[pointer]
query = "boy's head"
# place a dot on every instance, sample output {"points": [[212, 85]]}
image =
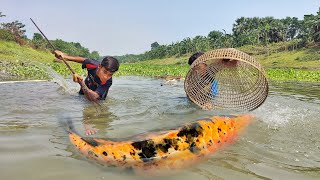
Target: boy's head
{"points": [[194, 56], [110, 63], [107, 67]]}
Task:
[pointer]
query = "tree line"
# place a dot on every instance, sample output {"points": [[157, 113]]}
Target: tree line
{"points": [[290, 31], [14, 31]]}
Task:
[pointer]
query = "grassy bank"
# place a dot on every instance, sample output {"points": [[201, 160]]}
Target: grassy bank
{"points": [[286, 74], [300, 65], [19, 62], [25, 63]]}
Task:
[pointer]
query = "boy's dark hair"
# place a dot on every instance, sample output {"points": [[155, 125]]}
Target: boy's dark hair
{"points": [[194, 56], [110, 63]]}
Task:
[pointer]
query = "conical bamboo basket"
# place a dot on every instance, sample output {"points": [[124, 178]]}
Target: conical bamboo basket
{"points": [[226, 79]]}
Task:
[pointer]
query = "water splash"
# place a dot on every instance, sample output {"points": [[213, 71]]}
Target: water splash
{"points": [[65, 86], [70, 88], [280, 111]]}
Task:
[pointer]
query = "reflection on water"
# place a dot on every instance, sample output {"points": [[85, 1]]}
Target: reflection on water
{"points": [[282, 144], [301, 91]]}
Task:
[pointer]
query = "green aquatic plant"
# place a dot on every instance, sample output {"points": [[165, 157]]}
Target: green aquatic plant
{"points": [[293, 75], [152, 70], [26, 63]]}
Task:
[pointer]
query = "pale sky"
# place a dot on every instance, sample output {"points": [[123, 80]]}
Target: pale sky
{"points": [[118, 27]]}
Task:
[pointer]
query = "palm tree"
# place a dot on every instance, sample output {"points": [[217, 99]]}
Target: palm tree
{"points": [[214, 38], [312, 23]]}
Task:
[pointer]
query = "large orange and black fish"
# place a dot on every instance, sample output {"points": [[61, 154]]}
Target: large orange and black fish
{"points": [[161, 151]]}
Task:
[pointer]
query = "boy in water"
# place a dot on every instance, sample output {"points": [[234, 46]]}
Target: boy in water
{"points": [[98, 81]]}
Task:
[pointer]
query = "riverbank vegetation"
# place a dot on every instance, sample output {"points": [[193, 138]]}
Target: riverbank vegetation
{"points": [[22, 62], [287, 48]]}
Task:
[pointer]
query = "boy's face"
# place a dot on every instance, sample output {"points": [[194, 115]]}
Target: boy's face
{"points": [[104, 74]]}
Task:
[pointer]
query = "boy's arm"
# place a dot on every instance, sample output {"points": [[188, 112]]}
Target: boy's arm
{"points": [[60, 55], [90, 95]]}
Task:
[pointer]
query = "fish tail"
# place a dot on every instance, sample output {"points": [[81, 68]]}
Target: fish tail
{"points": [[68, 125], [243, 121]]}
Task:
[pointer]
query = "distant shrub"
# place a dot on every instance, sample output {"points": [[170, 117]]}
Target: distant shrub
{"points": [[312, 54], [309, 57], [6, 35], [272, 48]]}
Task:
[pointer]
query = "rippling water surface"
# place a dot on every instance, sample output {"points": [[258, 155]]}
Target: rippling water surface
{"points": [[282, 144]]}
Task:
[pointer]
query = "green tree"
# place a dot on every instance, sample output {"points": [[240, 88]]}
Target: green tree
{"points": [[293, 27], [154, 45], [200, 43], [71, 48], [94, 55], [227, 40], [16, 29], [247, 31], [312, 27], [38, 41], [215, 38], [6, 35]]}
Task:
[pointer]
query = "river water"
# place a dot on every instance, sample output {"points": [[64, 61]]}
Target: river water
{"points": [[282, 144]]}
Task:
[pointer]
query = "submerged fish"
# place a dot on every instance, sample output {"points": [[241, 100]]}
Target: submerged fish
{"points": [[170, 150]]}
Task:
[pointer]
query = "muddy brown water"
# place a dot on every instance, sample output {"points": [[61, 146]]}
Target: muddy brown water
{"points": [[282, 144]]}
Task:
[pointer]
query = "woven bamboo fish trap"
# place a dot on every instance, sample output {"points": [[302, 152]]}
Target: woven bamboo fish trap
{"points": [[226, 79]]}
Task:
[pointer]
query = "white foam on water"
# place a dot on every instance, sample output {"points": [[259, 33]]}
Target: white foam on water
{"points": [[281, 110]]}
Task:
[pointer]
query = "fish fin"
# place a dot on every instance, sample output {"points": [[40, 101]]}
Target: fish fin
{"points": [[90, 141]]}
